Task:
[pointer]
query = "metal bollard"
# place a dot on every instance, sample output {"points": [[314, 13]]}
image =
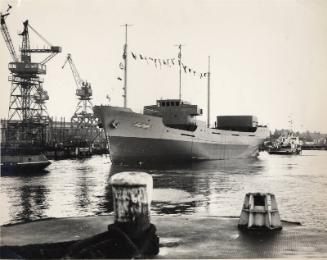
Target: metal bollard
{"points": [[132, 194], [260, 212]]}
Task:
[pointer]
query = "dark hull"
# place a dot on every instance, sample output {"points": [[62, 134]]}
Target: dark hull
{"points": [[24, 167], [284, 152], [131, 150]]}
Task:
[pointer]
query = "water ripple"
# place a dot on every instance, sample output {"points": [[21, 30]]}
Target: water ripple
{"points": [[216, 188]]}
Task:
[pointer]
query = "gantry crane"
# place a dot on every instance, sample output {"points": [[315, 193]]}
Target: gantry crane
{"points": [[83, 116], [27, 115]]}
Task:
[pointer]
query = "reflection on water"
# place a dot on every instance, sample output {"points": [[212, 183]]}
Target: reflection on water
{"points": [[216, 188], [205, 184], [33, 201], [83, 185]]}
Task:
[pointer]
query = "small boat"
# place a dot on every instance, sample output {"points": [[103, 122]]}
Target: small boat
{"points": [[23, 161], [286, 145]]}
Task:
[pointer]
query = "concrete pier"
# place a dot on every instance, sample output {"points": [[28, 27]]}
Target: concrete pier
{"points": [[180, 237]]}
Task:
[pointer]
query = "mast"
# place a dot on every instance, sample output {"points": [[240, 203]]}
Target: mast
{"points": [[125, 66], [290, 122], [180, 69], [208, 101]]}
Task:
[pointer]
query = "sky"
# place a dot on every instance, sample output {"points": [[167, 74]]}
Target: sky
{"points": [[268, 57]]}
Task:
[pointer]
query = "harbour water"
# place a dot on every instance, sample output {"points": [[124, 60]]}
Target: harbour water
{"points": [[72, 188]]}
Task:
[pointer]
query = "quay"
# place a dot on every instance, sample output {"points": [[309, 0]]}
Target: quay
{"points": [[180, 237], [61, 140]]}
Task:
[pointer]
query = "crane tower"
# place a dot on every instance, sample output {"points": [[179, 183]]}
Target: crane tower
{"points": [[27, 115], [83, 116]]}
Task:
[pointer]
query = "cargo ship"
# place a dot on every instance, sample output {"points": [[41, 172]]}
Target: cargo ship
{"points": [[170, 132]]}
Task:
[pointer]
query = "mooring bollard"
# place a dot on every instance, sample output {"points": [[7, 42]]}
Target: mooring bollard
{"points": [[260, 212], [132, 199], [132, 194], [132, 235]]}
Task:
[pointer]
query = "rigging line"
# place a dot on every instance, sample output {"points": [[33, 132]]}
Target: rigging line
{"points": [[38, 34]]}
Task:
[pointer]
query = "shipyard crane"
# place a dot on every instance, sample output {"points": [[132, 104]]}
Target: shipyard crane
{"points": [[6, 36], [27, 115], [83, 116], [83, 119]]}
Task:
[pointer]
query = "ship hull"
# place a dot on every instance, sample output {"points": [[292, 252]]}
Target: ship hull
{"points": [[137, 138], [135, 150], [285, 152]]}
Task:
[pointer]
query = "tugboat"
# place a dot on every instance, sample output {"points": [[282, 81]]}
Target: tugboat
{"points": [[286, 145]]}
